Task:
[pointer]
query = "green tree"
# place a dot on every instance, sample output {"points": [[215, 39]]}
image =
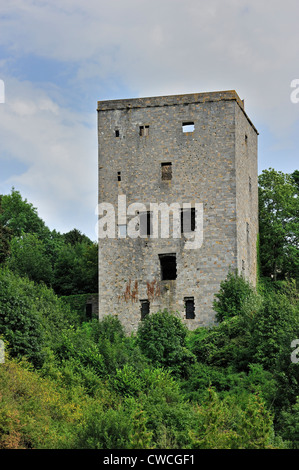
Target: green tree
{"points": [[34, 412], [278, 224], [234, 297], [76, 269], [295, 176], [29, 257], [73, 237], [225, 424], [31, 317], [5, 237], [289, 425], [162, 338], [275, 325], [20, 216]]}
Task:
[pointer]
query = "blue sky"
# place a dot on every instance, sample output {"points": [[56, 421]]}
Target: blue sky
{"points": [[58, 58]]}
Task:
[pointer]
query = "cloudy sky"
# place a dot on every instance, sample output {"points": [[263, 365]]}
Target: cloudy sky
{"points": [[58, 58]]}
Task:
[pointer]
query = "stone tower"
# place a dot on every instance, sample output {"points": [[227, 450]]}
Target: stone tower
{"points": [[190, 160]]}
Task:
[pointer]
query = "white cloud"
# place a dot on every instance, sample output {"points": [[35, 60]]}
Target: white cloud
{"points": [[154, 47], [166, 46], [58, 149]]}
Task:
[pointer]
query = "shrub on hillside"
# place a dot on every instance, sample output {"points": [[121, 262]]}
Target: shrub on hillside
{"points": [[162, 338]]}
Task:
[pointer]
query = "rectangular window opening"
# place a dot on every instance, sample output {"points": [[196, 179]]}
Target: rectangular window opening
{"points": [[188, 220], [189, 308], [118, 176], [166, 169], [144, 131], [116, 133], [168, 267], [146, 224], [144, 308], [188, 126]]}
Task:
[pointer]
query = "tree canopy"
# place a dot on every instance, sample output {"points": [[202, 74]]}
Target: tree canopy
{"points": [[66, 262], [278, 224]]}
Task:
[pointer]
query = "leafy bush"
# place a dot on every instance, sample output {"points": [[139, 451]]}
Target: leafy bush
{"points": [[31, 316], [224, 424], [162, 338], [275, 326], [288, 425], [34, 413], [235, 297], [105, 428], [227, 344], [29, 258], [228, 381]]}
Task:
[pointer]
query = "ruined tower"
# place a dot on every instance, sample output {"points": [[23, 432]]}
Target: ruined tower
{"points": [[190, 160]]}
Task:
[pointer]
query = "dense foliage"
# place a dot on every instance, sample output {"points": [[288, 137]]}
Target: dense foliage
{"points": [[67, 383], [278, 221], [66, 262], [73, 384]]}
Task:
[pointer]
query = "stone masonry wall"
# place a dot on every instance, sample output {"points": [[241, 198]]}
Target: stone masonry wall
{"points": [[211, 166]]}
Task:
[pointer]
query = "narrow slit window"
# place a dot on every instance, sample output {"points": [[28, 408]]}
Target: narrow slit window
{"points": [[88, 312], [144, 131], [166, 170], [168, 267], [144, 308], [188, 220], [146, 223], [119, 176], [188, 127], [116, 132], [189, 308]]}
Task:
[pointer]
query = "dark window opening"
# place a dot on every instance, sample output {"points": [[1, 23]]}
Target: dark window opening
{"points": [[88, 311], [189, 308], [168, 267], [144, 130], [116, 133], [118, 176], [188, 220], [246, 138], [188, 126], [144, 308], [146, 223], [166, 169]]}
